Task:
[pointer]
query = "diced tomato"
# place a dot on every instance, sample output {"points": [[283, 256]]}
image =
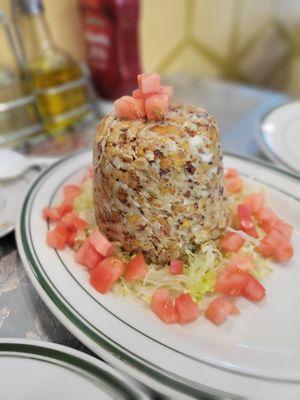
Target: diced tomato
{"points": [[266, 218], [176, 267], [80, 223], [231, 281], [234, 310], [64, 208], [101, 244], [270, 243], [149, 83], [163, 305], [88, 256], [284, 229], [70, 220], [283, 252], [136, 94], [245, 220], [157, 107], [231, 173], [255, 201], [234, 184], [106, 274], [231, 242], [129, 107], [72, 237], [187, 310], [51, 213], [136, 268], [254, 290], [67, 220], [71, 192], [169, 91], [218, 310], [57, 238], [242, 262]]}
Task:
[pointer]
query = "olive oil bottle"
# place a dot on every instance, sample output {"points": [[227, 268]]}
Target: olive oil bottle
{"points": [[54, 76]]}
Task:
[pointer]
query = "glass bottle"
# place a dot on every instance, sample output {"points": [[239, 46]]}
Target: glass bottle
{"points": [[110, 29], [18, 114], [54, 76]]}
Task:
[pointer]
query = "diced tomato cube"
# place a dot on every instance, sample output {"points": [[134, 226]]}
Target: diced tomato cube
{"points": [[57, 238], [169, 91], [283, 252], [149, 83], [70, 220], [176, 267], [266, 218], [157, 107], [254, 290], [234, 184], [88, 256], [136, 268], [64, 208], [231, 173], [231, 281], [71, 192], [163, 305], [218, 310], [136, 94], [255, 201], [51, 213], [269, 243], [80, 223], [130, 108], [101, 244], [231, 242], [67, 220], [284, 229], [242, 262], [265, 249], [72, 237], [187, 310], [246, 221], [106, 274]]}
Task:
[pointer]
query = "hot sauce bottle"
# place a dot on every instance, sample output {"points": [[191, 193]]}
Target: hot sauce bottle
{"points": [[111, 36]]}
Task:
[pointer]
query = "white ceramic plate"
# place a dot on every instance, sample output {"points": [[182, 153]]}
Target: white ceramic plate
{"points": [[278, 135], [37, 370], [11, 193], [255, 355]]}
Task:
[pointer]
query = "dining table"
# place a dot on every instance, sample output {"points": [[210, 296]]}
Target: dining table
{"points": [[237, 108]]}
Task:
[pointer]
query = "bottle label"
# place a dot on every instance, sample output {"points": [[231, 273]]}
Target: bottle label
{"points": [[99, 38], [111, 38]]}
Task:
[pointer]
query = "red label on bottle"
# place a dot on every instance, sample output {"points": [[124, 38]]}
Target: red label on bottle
{"points": [[114, 64]]}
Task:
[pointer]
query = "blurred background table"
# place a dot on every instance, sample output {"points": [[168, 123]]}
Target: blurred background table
{"points": [[237, 109]]}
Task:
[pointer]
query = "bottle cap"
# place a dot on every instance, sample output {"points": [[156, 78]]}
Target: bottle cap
{"points": [[31, 6]]}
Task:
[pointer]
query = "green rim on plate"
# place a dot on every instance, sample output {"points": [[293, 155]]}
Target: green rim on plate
{"points": [[264, 143], [72, 362], [160, 375]]}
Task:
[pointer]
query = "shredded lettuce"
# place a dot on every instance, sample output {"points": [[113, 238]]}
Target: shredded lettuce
{"points": [[198, 278], [201, 267]]}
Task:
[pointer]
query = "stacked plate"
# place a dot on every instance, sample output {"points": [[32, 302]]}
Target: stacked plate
{"points": [[279, 135], [38, 370]]}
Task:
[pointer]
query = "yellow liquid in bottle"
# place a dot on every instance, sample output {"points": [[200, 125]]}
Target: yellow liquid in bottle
{"points": [[60, 101]]}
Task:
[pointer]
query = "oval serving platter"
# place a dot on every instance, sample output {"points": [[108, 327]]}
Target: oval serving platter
{"points": [[255, 356]]}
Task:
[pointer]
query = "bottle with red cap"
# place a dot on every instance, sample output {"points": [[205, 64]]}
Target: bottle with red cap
{"points": [[110, 30]]}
